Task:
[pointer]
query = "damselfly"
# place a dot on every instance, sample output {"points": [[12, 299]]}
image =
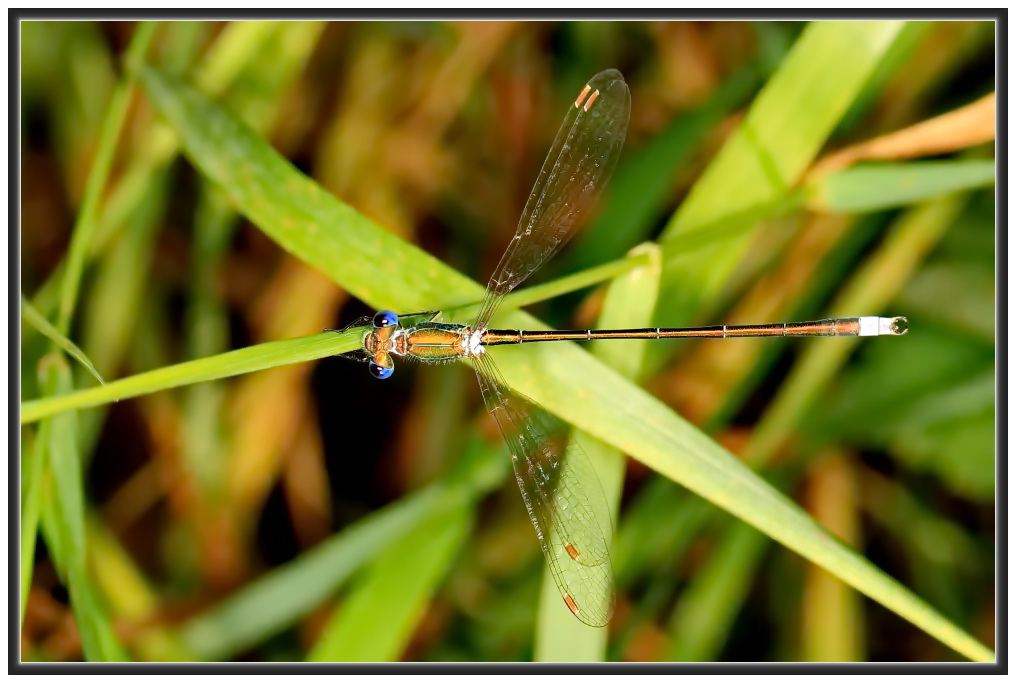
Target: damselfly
{"points": [[563, 498]]}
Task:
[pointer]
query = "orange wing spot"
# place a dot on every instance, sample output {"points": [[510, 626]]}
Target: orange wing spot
{"points": [[592, 98], [574, 554], [582, 96], [571, 604]]}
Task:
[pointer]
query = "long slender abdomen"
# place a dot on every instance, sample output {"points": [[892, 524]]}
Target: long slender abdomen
{"points": [[866, 326]]}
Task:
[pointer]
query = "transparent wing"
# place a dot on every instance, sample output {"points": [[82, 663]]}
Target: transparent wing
{"points": [[561, 494], [577, 168]]}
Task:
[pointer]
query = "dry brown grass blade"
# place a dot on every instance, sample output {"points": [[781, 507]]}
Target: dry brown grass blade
{"points": [[305, 481], [266, 429], [830, 611], [965, 127]]}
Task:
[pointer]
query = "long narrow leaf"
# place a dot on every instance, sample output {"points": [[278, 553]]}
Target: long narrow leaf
{"points": [[377, 620], [703, 615], [882, 186], [33, 317], [63, 520], [761, 163], [84, 228], [276, 600], [250, 359]]}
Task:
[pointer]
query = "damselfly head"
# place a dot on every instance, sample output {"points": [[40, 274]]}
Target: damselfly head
{"points": [[378, 342]]}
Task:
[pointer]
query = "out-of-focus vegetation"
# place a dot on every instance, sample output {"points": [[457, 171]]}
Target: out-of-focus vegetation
{"points": [[304, 511]]}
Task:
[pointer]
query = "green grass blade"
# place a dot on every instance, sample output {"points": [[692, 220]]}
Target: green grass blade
{"points": [[120, 281], [63, 517], [563, 285], [383, 270], [98, 639], [236, 45], [299, 215], [84, 228], [703, 617], [376, 620], [250, 359], [33, 317], [713, 604], [763, 160], [129, 595], [643, 542], [233, 50], [275, 601], [65, 470], [286, 352], [33, 470], [884, 186]]}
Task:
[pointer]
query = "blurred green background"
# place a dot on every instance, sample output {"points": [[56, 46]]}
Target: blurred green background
{"points": [[308, 512]]}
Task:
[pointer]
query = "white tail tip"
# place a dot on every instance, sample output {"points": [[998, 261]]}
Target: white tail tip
{"points": [[874, 326]]}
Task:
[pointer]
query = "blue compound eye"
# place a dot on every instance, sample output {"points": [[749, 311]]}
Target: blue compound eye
{"points": [[385, 319], [379, 371]]}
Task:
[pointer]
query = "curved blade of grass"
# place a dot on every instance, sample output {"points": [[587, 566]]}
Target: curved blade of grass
{"points": [[64, 467], [276, 600], [262, 67], [33, 317], [383, 270], [763, 160], [33, 470], [904, 47], [120, 281], [629, 303], [289, 351], [968, 126], [701, 621], [84, 227], [375, 622], [63, 515], [128, 594], [299, 215], [250, 359], [875, 187], [217, 72]]}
